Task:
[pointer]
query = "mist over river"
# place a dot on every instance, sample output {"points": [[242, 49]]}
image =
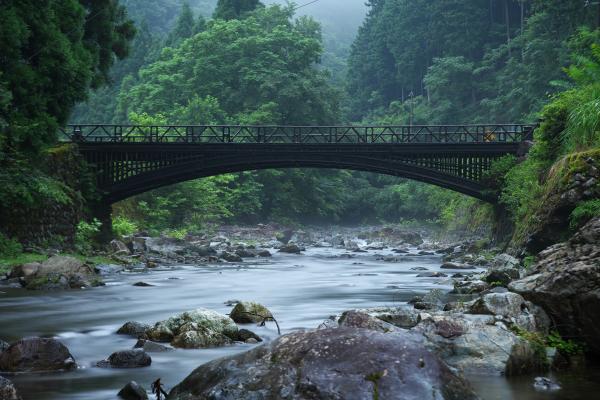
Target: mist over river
{"points": [[301, 290]]}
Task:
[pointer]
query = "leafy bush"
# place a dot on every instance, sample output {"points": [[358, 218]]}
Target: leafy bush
{"points": [[584, 212], [84, 236], [122, 227], [9, 247], [567, 347]]}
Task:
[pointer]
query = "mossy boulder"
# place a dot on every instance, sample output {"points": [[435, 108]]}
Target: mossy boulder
{"points": [[58, 272], [248, 312], [198, 328]]}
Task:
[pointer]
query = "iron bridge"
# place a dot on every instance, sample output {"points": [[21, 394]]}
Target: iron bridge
{"points": [[132, 159]]}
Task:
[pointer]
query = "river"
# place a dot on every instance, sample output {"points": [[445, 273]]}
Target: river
{"points": [[301, 291]]}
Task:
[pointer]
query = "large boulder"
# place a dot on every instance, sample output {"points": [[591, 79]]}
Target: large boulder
{"points": [[198, 328], [126, 359], [514, 309], [478, 344], [58, 272], [565, 282], [401, 316], [247, 312], [36, 355], [8, 390], [119, 248], [341, 363]]}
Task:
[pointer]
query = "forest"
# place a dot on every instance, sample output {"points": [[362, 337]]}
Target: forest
{"points": [[409, 62]]}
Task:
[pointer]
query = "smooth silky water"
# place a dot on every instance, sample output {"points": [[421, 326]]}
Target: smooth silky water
{"points": [[301, 291]]}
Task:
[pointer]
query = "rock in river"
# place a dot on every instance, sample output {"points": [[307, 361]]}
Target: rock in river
{"points": [[290, 248], [195, 329], [126, 359], [58, 272], [247, 312], [133, 391], [340, 363], [133, 328], [36, 355], [8, 390]]}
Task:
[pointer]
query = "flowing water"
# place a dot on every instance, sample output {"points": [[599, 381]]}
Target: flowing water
{"points": [[301, 291]]}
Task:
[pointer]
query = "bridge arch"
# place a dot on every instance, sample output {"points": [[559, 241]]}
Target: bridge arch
{"points": [[194, 170]]}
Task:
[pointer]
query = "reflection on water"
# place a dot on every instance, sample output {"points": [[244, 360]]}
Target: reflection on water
{"points": [[301, 291]]}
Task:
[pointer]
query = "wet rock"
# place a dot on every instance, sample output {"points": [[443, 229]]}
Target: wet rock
{"points": [[425, 253], [126, 359], [133, 391], [432, 275], [402, 317], [400, 251], [342, 363], [244, 335], [247, 312], [8, 390], [285, 236], [201, 250], [565, 282], [504, 260], [419, 269], [165, 246], [4, 345], [107, 269], [501, 276], [230, 257], [469, 287], [198, 328], [358, 319], [264, 253], [544, 384], [505, 304], [477, 344], [151, 347], [245, 253], [119, 248], [291, 248], [57, 272], [36, 355], [142, 284], [133, 328], [453, 265]]}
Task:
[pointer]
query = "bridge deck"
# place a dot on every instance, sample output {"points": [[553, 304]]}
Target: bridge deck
{"points": [[198, 134]]}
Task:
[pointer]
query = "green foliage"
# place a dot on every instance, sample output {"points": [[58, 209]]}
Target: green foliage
{"points": [[234, 9], [584, 212], [52, 52], [9, 247], [123, 227], [567, 347], [85, 234]]}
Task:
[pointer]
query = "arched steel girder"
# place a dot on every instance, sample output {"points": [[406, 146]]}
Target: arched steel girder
{"points": [[202, 167]]}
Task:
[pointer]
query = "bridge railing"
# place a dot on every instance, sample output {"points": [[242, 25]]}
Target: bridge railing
{"points": [[198, 134]]}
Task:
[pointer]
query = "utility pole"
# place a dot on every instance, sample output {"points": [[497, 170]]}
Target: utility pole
{"points": [[412, 110]]}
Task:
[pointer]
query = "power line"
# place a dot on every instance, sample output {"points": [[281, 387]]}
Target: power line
{"points": [[305, 4]]}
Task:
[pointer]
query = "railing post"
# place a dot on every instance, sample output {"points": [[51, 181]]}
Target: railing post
{"points": [[77, 135]]}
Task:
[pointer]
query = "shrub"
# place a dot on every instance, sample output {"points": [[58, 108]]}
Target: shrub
{"points": [[84, 236], [9, 247], [584, 212], [123, 227]]}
